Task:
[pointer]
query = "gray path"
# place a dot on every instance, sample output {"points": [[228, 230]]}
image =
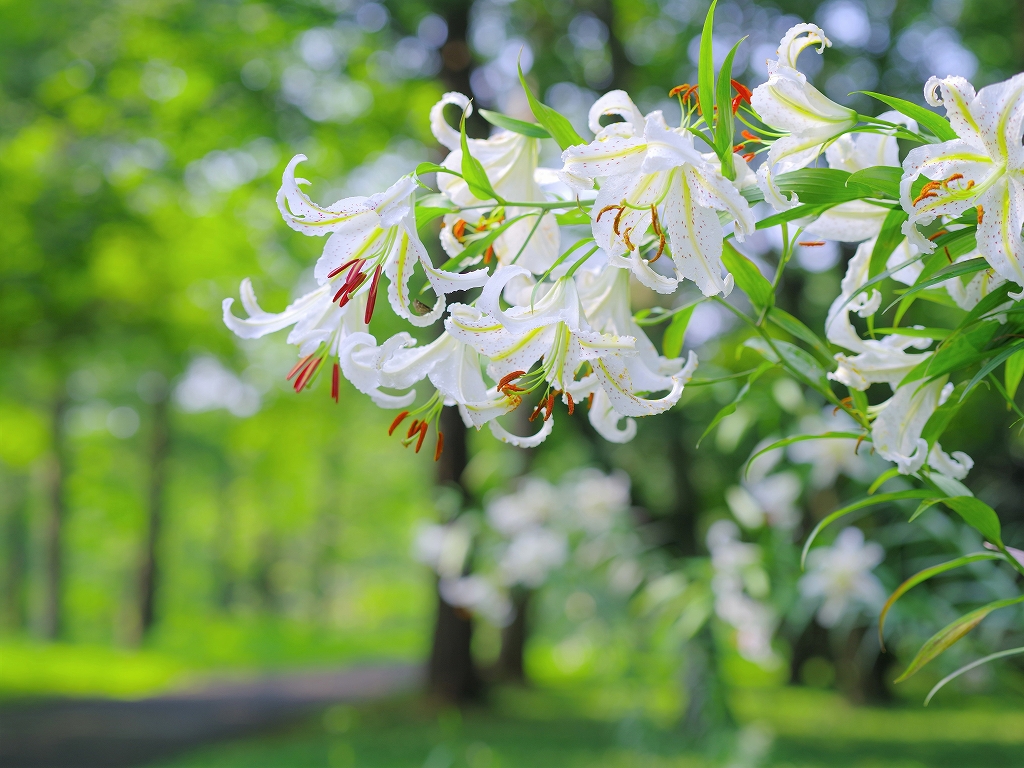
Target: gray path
{"points": [[105, 733]]}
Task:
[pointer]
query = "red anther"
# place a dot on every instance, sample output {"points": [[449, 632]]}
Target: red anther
{"points": [[298, 365], [372, 298], [488, 254], [738, 147], [351, 289], [948, 257], [509, 378], [749, 156], [413, 428], [590, 401], [678, 89], [440, 445], [692, 91], [398, 420], [938, 234], [812, 243], [618, 217], [981, 215], [537, 410], [749, 136], [742, 90], [661, 249], [549, 406], [423, 434], [604, 210], [569, 403], [459, 229], [335, 376], [342, 268], [736, 101], [304, 378]]}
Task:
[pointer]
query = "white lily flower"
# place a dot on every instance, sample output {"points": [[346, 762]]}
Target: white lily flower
{"points": [[443, 548], [650, 167], [896, 431], [370, 236], [840, 576], [478, 595], [955, 465], [859, 220], [983, 168], [788, 102], [510, 161], [534, 502], [978, 286], [772, 499]]}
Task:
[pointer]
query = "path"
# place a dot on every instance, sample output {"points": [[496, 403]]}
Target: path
{"points": [[106, 733]]}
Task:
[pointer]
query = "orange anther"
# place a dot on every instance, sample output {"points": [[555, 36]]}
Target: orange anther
{"points": [[981, 215], [423, 434], [440, 445], [398, 420], [812, 243], [678, 89], [749, 156], [413, 428], [569, 403], [749, 136], [459, 229]]}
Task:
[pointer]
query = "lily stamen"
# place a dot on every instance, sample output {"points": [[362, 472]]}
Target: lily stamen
{"points": [[398, 420]]}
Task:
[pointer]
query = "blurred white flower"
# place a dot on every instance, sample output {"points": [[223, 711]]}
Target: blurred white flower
{"points": [[596, 499], [443, 548], [830, 457], [531, 556], [208, 386], [478, 595], [535, 501], [841, 576]]}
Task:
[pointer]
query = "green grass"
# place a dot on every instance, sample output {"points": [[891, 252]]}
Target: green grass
{"points": [[796, 728]]}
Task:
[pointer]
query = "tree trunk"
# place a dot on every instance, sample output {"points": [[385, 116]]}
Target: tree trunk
{"points": [[509, 667], [16, 536], [451, 673], [52, 624], [707, 709], [148, 572]]}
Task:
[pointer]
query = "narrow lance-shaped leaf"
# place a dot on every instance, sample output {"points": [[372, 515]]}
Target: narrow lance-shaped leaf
{"points": [[672, 342], [883, 180], [1014, 373], [922, 576], [968, 667], [516, 126], [795, 327], [1002, 355], [940, 420], [950, 634], [473, 170], [802, 438], [881, 480], [881, 498], [937, 124], [978, 515], [888, 239], [724, 127], [730, 409], [747, 276], [923, 507], [706, 69], [561, 130]]}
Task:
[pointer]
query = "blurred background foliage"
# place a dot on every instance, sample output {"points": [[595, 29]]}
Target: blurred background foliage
{"points": [[161, 488]]}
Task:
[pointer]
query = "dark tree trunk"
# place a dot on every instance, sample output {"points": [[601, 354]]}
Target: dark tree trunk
{"points": [[451, 673], [707, 709], [16, 549], [509, 667], [52, 624], [149, 570]]}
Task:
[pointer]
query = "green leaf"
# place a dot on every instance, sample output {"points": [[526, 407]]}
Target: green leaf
{"points": [[561, 130], [747, 276], [819, 186], [938, 421], [575, 217], [882, 180], [796, 360], [725, 127], [672, 342], [730, 409], [937, 124], [955, 353], [871, 501], [532, 130], [968, 667], [1013, 373], [800, 212], [425, 215], [979, 515], [919, 333], [473, 170], [423, 168], [924, 575], [706, 68], [888, 239], [796, 328], [801, 438], [923, 507], [968, 267], [1003, 354], [889, 474], [950, 634]]}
